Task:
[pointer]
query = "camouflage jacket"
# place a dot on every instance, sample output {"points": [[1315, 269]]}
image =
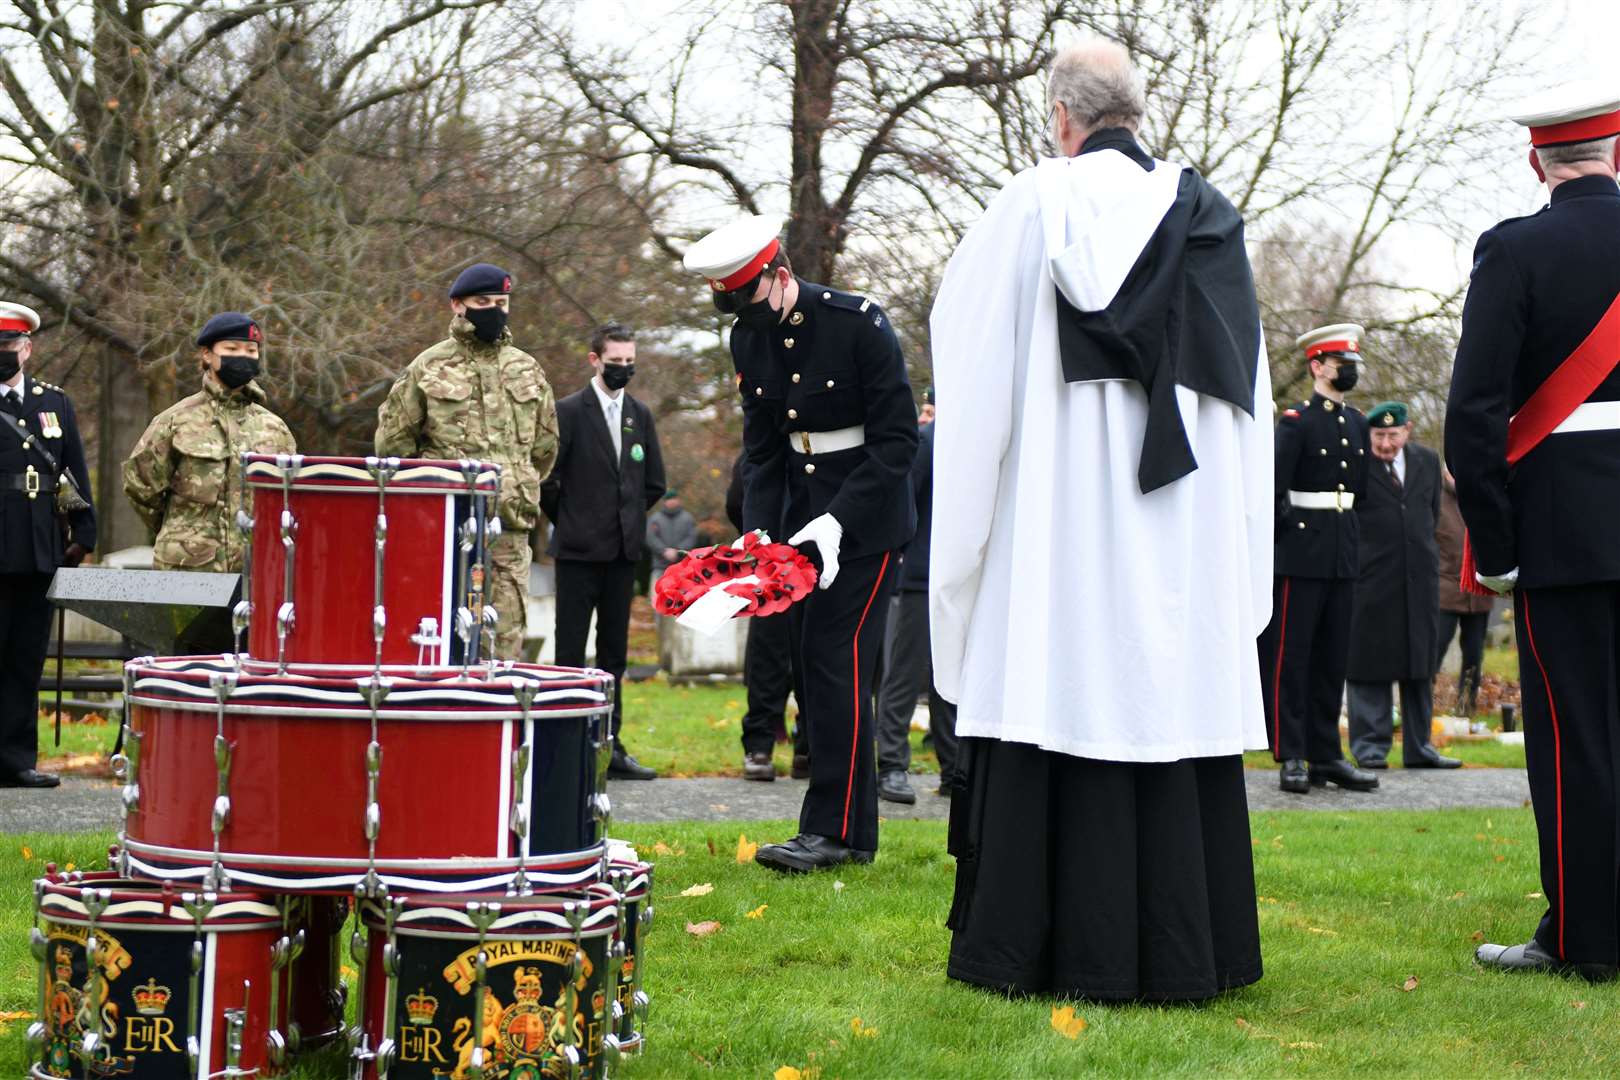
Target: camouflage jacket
{"points": [[185, 475], [462, 398]]}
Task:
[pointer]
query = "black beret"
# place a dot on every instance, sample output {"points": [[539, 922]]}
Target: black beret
{"points": [[481, 279], [229, 326]]}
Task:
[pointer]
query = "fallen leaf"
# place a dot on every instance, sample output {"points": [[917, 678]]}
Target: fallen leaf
{"points": [[661, 848], [699, 890], [720, 724], [745, 848], [787, 1072], [758, 913], [1532, 896], [1477, 935], [7, 1016], [347, 972], [1266, 899], [1242, 1023], [861, 1031], [702, 929], [1410, 984], [1303, 1046], [1501, 858], [1479, 836], [27, 853], [711, 847], [1066, 1023], [1319, 930], [1487, 823], [1573, 1005], [1458, 895]]}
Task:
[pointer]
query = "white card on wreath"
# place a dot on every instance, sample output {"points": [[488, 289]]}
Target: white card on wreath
{"points": [[709, 612]]}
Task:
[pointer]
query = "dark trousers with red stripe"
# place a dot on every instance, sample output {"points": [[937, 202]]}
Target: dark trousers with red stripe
{"points": [[1303, 654], [840, 636], [1569, 670]]}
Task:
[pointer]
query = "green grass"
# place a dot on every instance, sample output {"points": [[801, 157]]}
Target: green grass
{"points": [[1489, 754], [696, 730], [1351, 907]]}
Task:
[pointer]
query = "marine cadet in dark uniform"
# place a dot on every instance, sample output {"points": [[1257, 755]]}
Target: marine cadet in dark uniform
{"points": [[39, 443], [1540, 495], [1322, 454], [829, 434]]}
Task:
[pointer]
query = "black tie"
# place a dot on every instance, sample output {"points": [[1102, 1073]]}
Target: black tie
{"points": [[1393, 475], [9, 403]]}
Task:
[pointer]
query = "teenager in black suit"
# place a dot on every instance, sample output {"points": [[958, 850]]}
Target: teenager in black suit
{"points": [[609, 473]]}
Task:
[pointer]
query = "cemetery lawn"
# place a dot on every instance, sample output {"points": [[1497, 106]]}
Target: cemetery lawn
{"points": [[1368, 923]]}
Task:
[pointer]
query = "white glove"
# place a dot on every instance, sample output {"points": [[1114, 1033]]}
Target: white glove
{"points": [[736, 545], [1501, 584], [826, 534]]}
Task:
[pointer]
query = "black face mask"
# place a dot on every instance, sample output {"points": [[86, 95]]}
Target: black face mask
{"points": [[487, 323], [617, 376], [1345, 380], [10, 364], [237, 371]]}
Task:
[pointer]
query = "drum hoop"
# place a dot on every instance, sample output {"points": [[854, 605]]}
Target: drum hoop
{"points": [[456, 715], [425, 477], [589, 858], [601, 921], [57, 908]]}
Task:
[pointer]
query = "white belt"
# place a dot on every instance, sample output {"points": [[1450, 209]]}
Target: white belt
{"points": [[1591, 416], [827, 442], [1322, 500]]}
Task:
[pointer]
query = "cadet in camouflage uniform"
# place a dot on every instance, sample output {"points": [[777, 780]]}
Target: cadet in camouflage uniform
{"points": [[185, 475], [475, 395]]}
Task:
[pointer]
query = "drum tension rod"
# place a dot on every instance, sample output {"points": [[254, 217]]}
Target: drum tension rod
{"points": [[289, 464], [524, 690], [382, 471], [374, 688], [242, 613], [360, 952], [223, 684], [612, 1018], [39, 945], [198, 906], [471, 597], [483, 914]]}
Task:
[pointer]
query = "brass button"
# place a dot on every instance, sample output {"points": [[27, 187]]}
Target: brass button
{"points": [[1324, 451], [829, 384], [1360, 452], [1302, 524], [1344, 464], [1341, 487], [796, 318], [795, 376], [1344, 442], [1328, 405], [787, 343], [793, 414], [759, 391], [1341, 419], [809, 469]]}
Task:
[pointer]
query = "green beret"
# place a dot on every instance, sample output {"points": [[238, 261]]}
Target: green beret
{"points": [[1388, 414]]}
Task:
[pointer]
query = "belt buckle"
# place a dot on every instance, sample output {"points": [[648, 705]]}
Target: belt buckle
{"points": [[31, 482], [804, 441]]}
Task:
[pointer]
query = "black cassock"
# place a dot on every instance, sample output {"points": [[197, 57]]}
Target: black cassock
{"points": [[1394, 621]]}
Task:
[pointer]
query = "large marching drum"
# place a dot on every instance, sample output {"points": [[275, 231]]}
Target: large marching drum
{"points": [[362, 759]]}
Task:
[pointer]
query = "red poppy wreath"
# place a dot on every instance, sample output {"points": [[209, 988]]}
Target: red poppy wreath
{"points": [[781, 577]]}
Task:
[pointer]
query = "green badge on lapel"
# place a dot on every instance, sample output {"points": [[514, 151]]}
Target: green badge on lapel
{"points": [[636, 452]]}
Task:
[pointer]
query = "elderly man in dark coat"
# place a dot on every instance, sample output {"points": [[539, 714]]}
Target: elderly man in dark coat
{"points": [[1394, 622]]}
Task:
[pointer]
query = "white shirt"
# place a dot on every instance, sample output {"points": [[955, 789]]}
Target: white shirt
{"points": [[1400, 465], [1068, 609], [611, 404]]}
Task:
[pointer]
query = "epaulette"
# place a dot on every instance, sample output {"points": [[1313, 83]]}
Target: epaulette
{"points": [[846, 301], [41, 386]]}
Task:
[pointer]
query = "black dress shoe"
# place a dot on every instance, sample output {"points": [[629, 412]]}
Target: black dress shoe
{"points": [[624, 767], [807, 852], [31, 778], [1432, 760], [1372, 763], [1295, 778], [894, 787], [758, 767], [801, 767], [1344, 774], [1532, 957]]}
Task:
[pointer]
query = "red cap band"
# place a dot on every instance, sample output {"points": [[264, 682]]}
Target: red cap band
{"points": [[1583, 130], [1331, 346], [746, 273], [16, 324]]}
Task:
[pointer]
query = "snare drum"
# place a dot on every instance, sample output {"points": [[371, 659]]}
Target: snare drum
{"points": [[135, 977], [525, 980], [325, 777], [634, 880], [366, 560]]}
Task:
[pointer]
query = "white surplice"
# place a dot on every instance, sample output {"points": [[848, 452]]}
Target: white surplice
{"points": [[1068, 609]]}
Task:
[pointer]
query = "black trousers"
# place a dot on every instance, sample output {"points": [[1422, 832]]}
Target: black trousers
{"points": [[768, 673], [908, 671], [1372, 719], [840, 634], [25, 629], [1569, 666], [602, 589], [1303, 654], [1471, 626]]}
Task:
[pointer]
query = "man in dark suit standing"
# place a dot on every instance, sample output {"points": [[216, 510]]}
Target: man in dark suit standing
{"points": [[1394, 617], [39, 450], [609, 473], [1532, 436]]}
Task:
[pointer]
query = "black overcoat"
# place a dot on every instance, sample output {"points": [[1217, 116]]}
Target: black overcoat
{"points": [[1394, 622]]}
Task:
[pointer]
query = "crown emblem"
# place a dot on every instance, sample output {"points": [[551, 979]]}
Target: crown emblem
{"points": [[526, 984], [421, 1007], [150, 998]]}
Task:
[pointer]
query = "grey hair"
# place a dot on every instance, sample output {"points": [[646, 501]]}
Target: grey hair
{"points": [[1572, 153], [1098, 86]]}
